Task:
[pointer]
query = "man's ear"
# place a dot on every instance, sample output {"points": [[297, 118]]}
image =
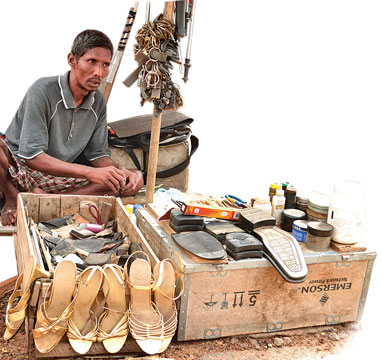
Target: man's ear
{"points": [[72, 61]]}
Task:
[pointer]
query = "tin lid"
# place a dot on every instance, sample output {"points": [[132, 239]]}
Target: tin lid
{"points": [[301, 200], [302, 224], [319, 229], [318, 200], [291, 188], [317, 208], [279, 192], [263, 200], [275, 186], [285, 184], [294, 213]]}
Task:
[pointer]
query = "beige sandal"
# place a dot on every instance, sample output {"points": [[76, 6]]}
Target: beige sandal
{"points": [[146, 323], [53, 315], [113, 325], [89, 283], [166, 274], [15, 315]]}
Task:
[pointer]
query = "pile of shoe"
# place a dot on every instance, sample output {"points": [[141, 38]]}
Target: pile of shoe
{"points": [[94, 306], [83, 242]]}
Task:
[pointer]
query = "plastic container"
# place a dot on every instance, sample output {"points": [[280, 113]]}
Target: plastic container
{"points": [[347, 212], [318, 236], [263, 203], [290, 195], [317, 208], [278, 203], [272, 191]]}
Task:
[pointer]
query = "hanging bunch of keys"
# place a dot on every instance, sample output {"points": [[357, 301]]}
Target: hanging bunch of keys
{"points": [[156, 48]]}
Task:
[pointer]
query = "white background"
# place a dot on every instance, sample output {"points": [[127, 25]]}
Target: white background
{"points": [[279, 91]]}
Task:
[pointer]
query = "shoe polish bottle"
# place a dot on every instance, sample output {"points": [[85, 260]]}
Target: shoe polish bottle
{"points": [[278, 203]]}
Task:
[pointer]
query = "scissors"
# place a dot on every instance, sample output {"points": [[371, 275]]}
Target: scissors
{"points": [[96, 216]]}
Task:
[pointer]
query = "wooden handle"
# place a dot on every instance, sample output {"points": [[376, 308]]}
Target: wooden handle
{"points": [[152, 158], [168, 10], [155, 129]]}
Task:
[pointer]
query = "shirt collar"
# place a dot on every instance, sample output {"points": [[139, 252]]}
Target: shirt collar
{"points": [[67, 96]]}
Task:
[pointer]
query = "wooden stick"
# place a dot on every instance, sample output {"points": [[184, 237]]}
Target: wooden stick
{"points": [[152, 158], [108, 82], [155, 130], [168, 10], [7, 230]]}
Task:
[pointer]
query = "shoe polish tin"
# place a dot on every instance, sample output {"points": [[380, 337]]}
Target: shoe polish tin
{"points": [[289, 216], [299, 230], [318, 236]]}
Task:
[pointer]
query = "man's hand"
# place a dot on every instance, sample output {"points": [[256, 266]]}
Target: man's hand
{"points": [[114, 178], [134, 182], [130, 183]]}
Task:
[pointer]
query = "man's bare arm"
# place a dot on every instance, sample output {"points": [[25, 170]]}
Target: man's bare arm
{"points": [[105, 173]]}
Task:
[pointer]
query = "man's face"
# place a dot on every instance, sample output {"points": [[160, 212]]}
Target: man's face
{"points": [[89, 70]]}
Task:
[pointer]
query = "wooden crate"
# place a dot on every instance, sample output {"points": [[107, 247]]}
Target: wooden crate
{"points": [[46, 207], [249, 296]]}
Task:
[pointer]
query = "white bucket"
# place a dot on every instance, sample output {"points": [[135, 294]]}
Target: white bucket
{"points": [[347, 212]]}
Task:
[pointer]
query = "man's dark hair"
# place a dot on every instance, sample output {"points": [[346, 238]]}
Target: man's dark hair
{"points": [[89, 39]]}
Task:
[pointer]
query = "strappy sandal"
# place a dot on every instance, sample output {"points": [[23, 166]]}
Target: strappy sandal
{"points": [[53, 315], [113, 324], [15, 315], [166, 273], [146, 323], [89, 283]]}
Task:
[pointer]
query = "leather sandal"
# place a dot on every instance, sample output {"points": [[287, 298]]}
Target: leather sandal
{"points": [[146, 323], [15, 314], [166, 273], [53, 315], [113, 324], [89, 283]]}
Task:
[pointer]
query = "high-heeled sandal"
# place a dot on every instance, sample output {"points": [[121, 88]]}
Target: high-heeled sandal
{"points": [[89, 283], [113, 324], [53, 314], [166, 273], [146, 323], [15, 314]]}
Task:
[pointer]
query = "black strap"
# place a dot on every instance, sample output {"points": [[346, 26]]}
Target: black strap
{"points": [[169, 172], [134, 158], [180, 167]]}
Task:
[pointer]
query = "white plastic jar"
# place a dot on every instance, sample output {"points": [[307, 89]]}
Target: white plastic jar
{"points": [[347, 212], [263, 203]]}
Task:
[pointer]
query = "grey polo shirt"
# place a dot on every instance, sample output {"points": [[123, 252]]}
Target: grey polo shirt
{"points": [[48, 121]]}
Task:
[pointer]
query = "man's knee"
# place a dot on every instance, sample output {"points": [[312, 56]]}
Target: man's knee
{"points": [[5, 156]]}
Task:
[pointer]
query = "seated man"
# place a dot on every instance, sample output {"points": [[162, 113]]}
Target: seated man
{"points": [[59, 119]]}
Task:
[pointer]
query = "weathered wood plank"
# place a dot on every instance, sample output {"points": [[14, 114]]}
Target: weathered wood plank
{"points": [[127, 226], [50, 207], [23, 243], [32, 203], [69, 205], [64, 350]]}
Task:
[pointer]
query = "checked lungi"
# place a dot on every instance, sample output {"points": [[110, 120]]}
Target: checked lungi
{"points": [[26, 179]]}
